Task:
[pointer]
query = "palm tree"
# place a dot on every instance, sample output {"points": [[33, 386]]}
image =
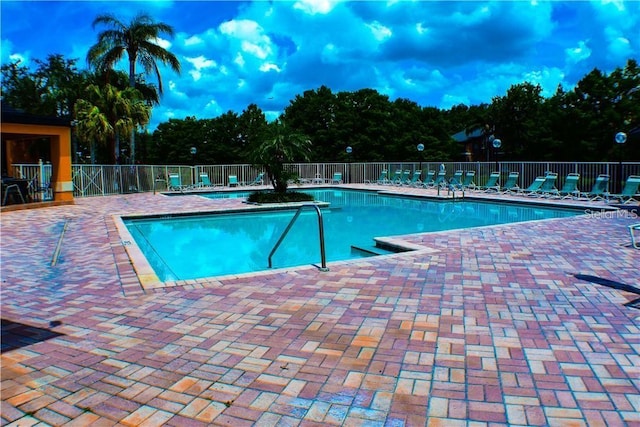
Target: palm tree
{"points": [[280, 145], [106, 113], [138, 40]]}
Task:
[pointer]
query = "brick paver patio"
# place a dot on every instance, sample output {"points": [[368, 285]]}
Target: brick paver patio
{"points": [[483, 327]]}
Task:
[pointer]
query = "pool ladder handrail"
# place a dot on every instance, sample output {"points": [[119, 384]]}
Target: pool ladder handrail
{"points": [[323, 258]]}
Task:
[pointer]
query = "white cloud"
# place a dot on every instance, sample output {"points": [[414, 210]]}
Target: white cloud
{"points": [[166, 44], [193, 40], [239, 60], [380, 32], [258, 51], [618, 4], [241, 29], [548, 78], [421, 29], [313, 7], [449, 101], [250, 35], [577, 54], [268, 67], [330, 53], [201, 62]]}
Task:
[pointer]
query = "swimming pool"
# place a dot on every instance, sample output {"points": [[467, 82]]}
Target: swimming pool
{"points": [[205, 245]]}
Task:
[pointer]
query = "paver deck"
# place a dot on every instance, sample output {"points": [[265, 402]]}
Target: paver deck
{"points": [[485, 327]]}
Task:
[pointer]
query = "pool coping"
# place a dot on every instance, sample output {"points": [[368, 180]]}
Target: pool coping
{"points": [[149, 280]]}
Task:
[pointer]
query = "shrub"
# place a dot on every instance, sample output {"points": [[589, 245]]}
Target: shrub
{"points": [[275, 197]]}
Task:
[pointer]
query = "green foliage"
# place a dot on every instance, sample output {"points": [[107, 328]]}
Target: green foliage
{"points": [[139, 41], [107, 113], [277, 146], [571, 125]]}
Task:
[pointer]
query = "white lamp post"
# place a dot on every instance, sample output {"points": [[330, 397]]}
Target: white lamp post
{"points": [[620, 139], [348, 150], [497, 143], [193, 152], [420, 148]]}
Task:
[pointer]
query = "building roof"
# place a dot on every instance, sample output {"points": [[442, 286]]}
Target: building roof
{"points": [[14, 115]]}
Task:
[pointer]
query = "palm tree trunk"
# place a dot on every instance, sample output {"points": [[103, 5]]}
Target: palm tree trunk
{"points": [[132, 83]]}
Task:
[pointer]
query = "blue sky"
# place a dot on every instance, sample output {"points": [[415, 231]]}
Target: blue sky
{"points": [[434, 53]]}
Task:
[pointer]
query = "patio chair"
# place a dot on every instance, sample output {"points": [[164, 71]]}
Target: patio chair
{"points": [[233, 181], [492, 183], [415, 179], [259, 180], [429, 179], [549, 184], [569, 189], [382, 179], [441, 179], [534, 188], [511, 185], [404, 178], [397, 177], [337, 178], [629, 192], [205, 182], [600, 189], [175, 183], [467, 182], [456, 179]]}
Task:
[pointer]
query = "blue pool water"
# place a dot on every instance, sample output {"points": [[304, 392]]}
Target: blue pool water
{"points": [[196, 246]]}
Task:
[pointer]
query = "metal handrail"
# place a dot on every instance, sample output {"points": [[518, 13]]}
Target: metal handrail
{"points": [[323, 258]]}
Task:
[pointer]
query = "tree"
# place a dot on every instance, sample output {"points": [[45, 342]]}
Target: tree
{"points": [[314, 113], [138, 40], [280, 145], [106, 113], [519, 121]]}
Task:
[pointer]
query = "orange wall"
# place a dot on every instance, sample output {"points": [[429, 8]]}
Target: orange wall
{"points": [[60, 138]]}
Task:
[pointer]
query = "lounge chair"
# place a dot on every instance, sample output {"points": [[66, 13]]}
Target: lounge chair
{"points": [[382, 179], [492, 184], [629, 192], [456, 180], [534, 188], [467, 182], [511, 185], [441, 179], [404, 178], [259, 180], [205, 182], [569, 189], [415, 179], [549, 185], [233, 181], [397, 177], [337, 178], [429, 179], [600, 189], [175, 183]]}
